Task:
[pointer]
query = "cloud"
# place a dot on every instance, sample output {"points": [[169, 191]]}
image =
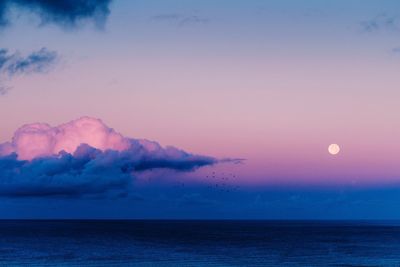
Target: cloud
{"points": [[3, 20], [4, 90], [382, 22], [396, 50], [180, 19], [67, 13], [80, 158], [37, 61], [65, 175], [14, 64]]}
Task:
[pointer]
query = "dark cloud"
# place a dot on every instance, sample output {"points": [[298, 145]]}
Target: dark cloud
{"points": [[62, 12], [184, 164], [89, 171], [37, 61], [13, 64], [3, 19]]}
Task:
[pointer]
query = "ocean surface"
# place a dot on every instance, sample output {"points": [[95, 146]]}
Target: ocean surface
{"points": [[199, 243]]}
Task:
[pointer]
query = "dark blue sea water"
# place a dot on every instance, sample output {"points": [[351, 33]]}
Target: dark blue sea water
{"points": [[198, 243]]}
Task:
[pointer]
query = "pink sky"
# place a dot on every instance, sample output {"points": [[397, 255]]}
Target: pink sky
{"points": [[225, 90]]}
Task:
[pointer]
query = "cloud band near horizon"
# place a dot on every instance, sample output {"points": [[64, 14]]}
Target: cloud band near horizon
{"points": [[82, 157]]}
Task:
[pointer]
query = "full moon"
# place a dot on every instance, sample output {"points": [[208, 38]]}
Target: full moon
{"points": [[333, 149]]}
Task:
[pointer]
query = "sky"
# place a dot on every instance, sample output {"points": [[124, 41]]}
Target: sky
{"points": [[250, 93]]}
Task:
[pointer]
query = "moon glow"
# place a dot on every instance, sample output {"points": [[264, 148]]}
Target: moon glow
{"points": [[333, 149]]}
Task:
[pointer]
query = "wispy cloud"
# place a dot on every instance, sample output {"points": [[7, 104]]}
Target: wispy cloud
{"points": [[37, 61], [4, 89], [180, 19], [15, 64], [381, 22], [396, 50], [67, 13]]}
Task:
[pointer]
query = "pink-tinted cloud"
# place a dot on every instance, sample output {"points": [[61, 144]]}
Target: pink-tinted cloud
{"points": [[81, 157], [41, 140]]}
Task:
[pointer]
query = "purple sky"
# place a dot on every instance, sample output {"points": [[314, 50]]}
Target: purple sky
{"points": [[272, 82]]}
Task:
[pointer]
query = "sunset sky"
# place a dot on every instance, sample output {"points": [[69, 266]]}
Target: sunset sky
{"points": [[270, 82]]}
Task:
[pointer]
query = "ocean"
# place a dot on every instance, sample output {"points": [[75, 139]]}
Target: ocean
{"points": [[198, 243]]}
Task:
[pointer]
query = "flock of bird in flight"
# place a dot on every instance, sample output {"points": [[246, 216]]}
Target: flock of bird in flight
{"points": [[220, 182]]}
